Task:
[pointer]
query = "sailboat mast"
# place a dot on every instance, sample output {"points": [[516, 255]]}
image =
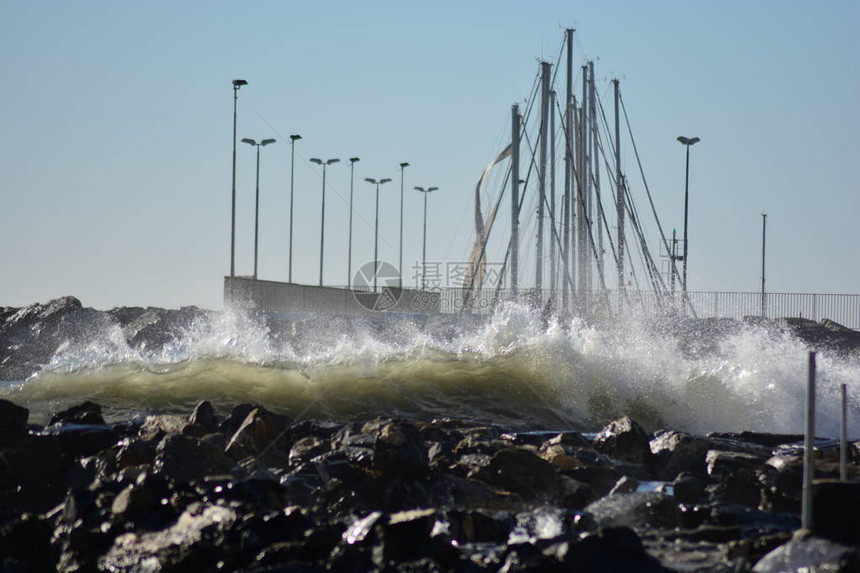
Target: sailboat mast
{"points": [[568, 168], [515, 197], [553, 266], [544, 123], [596, 171], [621, 199], [583, 194]]}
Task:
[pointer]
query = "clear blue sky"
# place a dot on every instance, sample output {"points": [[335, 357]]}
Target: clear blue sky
{"points": [[117, 133]]}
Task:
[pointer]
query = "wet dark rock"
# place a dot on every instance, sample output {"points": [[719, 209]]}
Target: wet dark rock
{"points": [[522, 472], [835, 511], [639, 510], [156, 427], [736, 477], [611, 549], [80, 440], [25, 545], [186, 458], [31, 471], [689, 488], [135, 452], [624, 439], [260, 433], [759, 438], [726, 514], [807, 553], [398, 448], [133, 502], [204, 416], [13, 418], [85, 413]]}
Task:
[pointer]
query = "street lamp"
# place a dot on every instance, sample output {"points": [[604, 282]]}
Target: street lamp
{"points": [[263, 143], [352, 162], [403, 167], [293, 140], [236, 85], [376, 228], [687, 142], [424, 249], [324, 164]]}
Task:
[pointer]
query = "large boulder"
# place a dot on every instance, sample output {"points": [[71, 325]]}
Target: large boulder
{"points": [[807, 553], [624, 439]]}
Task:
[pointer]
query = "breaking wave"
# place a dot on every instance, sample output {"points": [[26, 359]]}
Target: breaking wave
{"points": [[511, 370]]}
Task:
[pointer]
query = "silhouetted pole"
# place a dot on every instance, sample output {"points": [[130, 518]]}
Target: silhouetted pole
{"points": [[515, 197], [424, 248], [843, 436], [263, 143], [763, 237], [566, 252], [352, 161], [552, 260], [376, 228], [544, 139], [403, 167], [236, 85], [322, 222], [293, 139], [687, 142], [621, 197], [809, 447]]}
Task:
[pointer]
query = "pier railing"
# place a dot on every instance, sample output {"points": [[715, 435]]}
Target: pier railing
{"points": [[281, 297]]}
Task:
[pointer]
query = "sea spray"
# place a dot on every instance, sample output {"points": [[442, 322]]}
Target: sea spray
{"points": [[512, 369]]}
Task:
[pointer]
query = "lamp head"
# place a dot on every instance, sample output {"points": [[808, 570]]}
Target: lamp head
{"points": [[317, 161], [295, 137], [249, 141], [420, 189], [330, 161], [688, 140], [385, 181], [354, 159], [404, 165], [430, 190], [370, 180], [239, 83], [267, 141]]}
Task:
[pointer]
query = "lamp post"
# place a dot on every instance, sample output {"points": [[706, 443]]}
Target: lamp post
{"points": [[324, 164], [236, 85], [352, 162], [686, 142], [763, 238], [263, 143], [424, 248], [293, 140], [376, 228], [403, 167]]}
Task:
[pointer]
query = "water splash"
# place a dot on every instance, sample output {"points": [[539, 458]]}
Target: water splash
{"points": [[511, 369]]}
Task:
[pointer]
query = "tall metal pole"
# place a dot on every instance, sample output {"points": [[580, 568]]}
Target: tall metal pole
{"points": [[686, 213], [544, 133], [376, 240], [403, 167], [424, 248], [236, 85], [763, 237], [582, 204], [352, 161], [596, 172], [568, 170], [257, 214], [293, 139], [322, 226], [515, 197], [808, 447], [621, 199], [552, 262]]}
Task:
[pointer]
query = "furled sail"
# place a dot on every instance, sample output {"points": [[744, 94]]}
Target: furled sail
{"points": [[475, 268]]}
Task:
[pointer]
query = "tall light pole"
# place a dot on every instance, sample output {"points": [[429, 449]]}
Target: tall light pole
{"points": [[263, 143], [293, 140], [376, 228], [236, 85], [352, 162], [687, 142], [763, 237], [424, 248], [403, 167], [324, 164]]}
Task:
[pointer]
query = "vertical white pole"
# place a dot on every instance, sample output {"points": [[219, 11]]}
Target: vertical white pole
{"points": [[843, 436], [809, 447]]}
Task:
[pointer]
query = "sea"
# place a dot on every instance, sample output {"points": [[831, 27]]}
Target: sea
{"points": [[513, 369]]}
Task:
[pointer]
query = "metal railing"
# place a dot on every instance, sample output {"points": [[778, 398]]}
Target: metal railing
{"points": [[282, 297]]}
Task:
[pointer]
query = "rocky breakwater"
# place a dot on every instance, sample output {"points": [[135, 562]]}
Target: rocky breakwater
{"points": [[254, 491], [31, 336]]}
